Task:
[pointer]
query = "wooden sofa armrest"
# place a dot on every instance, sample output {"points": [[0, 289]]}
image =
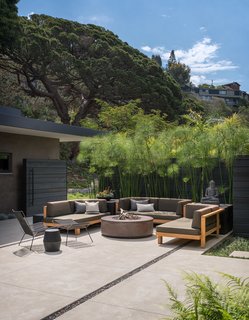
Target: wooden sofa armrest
{"points": [[210, 214], [45, 212], [216, 229]]}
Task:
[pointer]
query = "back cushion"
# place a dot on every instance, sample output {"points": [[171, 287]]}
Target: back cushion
{"points": [[134, 203], [166, 204], [92, 207], [124, 203], [180, 206], [214, 207], [80, 207], [102, 204], [147, 207], [196, 223], [155, 202], [191, 207], [58, 208]]}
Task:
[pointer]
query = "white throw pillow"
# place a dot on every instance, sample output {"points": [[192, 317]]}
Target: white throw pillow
{"points": [[134, 203], [145, 207], [92, 207], [80, 207]]}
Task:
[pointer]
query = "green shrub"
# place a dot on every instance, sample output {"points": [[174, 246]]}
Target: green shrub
{"points": [[229, 245], [78, 195], [206, 300]]}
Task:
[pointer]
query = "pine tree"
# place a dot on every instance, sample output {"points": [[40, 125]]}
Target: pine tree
{"points": [[179, 71], [158, 59]]}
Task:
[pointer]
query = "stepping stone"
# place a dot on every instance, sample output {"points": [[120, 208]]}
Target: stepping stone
{"points": [[239, 254]]}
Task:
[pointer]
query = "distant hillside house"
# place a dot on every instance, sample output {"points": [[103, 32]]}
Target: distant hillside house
{"points": [[30, 170], [230, 93]]}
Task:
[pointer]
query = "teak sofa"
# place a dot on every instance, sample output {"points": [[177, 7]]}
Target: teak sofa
{"points": [[166, 209], [66, 210], [199, 221]]}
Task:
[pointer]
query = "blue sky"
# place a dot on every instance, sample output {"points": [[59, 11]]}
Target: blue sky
{"points": [[211, 36]]}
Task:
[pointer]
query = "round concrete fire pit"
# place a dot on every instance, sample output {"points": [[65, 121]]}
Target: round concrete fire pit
{"points": [[111, 226]]}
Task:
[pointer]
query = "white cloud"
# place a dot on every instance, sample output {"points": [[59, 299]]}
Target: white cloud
{"points": [[165, 16], [213, 66], [203, 29], [146, 48], [202, 52], [202, 58], [200, 79], [156, 50], [30, 14], [99, 19]]}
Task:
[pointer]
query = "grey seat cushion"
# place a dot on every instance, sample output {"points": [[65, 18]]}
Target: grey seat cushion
{"points": [[179, 226], [161, 215], [78, 217]]}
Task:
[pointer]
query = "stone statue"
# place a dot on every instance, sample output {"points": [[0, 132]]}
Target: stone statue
{"points": [[211, 194]]}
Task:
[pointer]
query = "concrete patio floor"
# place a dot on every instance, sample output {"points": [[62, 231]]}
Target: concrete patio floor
{"points": [[34, 285]]}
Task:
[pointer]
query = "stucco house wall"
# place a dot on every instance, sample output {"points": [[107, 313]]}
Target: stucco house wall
{"points": [[12, 189]]}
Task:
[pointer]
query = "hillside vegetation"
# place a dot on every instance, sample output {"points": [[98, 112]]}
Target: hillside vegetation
{"points": [[69, 65]]}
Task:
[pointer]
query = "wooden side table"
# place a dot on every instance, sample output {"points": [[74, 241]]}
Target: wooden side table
{"points": [[112, 206]]}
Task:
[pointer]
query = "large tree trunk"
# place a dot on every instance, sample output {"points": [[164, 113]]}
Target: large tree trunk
{"points": [[75, 149]]}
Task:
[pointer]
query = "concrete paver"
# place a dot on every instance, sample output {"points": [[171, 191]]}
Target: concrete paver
{"points": [[240, 254], [33, 285]]}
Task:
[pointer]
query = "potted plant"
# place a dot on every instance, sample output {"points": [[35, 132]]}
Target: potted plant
{"points": [[107, 194]]}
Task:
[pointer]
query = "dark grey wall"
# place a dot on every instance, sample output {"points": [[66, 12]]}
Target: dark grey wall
{"points": [[46, 180], [241, 196], [12, 189]]}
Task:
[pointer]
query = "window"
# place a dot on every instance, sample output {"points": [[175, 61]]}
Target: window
{"points": [[204, 91], [5, 162], [206, 98], [222, 92]]}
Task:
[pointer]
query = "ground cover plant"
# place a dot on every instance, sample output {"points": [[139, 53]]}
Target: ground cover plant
{"points": [[231, 244], [208, 300]]}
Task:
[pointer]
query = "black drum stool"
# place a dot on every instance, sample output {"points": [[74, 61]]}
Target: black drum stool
{"points": [[52, 240]]}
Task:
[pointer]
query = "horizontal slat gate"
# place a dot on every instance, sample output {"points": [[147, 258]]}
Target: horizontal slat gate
{"points": [[241, 196], [45, 180]]}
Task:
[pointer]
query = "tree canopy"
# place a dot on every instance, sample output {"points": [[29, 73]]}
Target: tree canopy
{"points": [[8, 23], [158, 59], [73, 64], [179, 71]]}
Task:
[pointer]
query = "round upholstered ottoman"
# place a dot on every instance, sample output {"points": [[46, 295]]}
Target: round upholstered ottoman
{"points": [[52, 240], [111, 226]]}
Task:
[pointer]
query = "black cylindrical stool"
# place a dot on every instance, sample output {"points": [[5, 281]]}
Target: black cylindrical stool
{"points": [[52, 240]]}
